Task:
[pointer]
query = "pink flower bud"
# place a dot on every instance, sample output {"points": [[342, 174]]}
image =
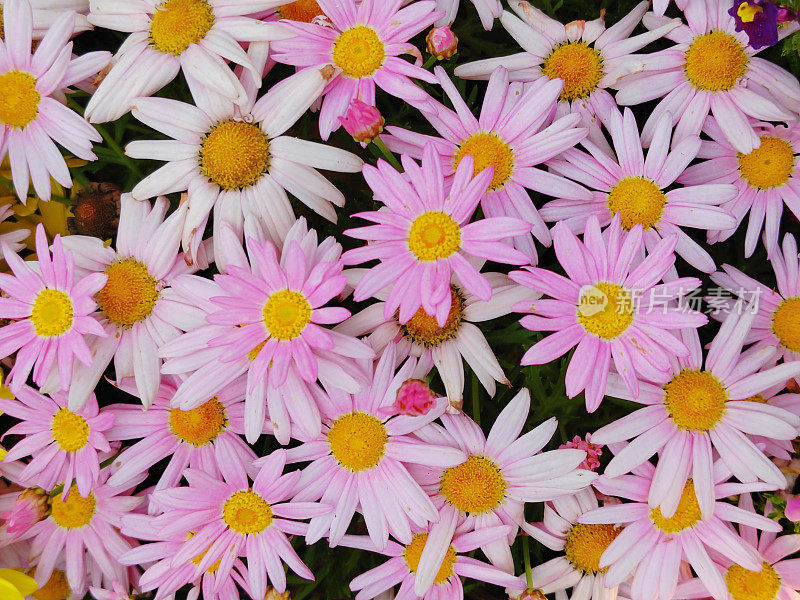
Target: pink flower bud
{"points": [[792, 511], [442, 42], [786, 14], [414, 398], [30, 507], [593, 451], [362, 121]]}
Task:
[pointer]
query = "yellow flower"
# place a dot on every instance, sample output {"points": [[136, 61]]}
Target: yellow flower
{"points": [[15, 585]]}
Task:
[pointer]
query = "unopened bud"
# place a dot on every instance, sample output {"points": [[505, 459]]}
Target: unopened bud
{"points": [[414, 398], [30, 507], [362, 121], [442, 42], [272, 594]]}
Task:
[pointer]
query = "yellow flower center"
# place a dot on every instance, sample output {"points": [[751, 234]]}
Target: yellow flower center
{"points": [[130, 293], [19, 102], [605, 309], [286, 314], [2, 24], [768, 166], [695, 400], [235, 154], [786, 323], [434, 235], [177, 24], [424, 330], [201, 425], [359, 51], [357, 441], [578, 65], [488, 149], [687, 514], [74, 512], [300, 10], [475, 486], [247, 513], [197, 559], [52, 313], [70, 430], [637, 200], [586, 543], [753, 585], [413, 552], [56, 588], [715, 61]]}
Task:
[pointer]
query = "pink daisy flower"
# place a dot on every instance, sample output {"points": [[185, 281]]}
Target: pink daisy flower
{"points": [[765, 180], [63, 445], [86, 531], [496, 475], [232, 518], [51, 314], [264, 317], [635, 187], [201, 438], [778, 578], [776, 322], [696, 408], [424, 239], [513, 134], [446, 347], [364, 41], [582, 546], [197, 37], [584, 55], [134, 309], [362, 452], [432, 564], [711, 68], [31, 119], [655, 545], [610, 307]]}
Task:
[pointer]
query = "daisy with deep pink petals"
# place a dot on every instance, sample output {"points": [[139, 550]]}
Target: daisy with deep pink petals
{"points": [[712, 69], [200, 438], [778, 578], [424, 239], [232, 518], [423, 572], [364, 42], [610, 305], [766, 179], [50, 313], [635, 187], [359, 462], [514, 134], [265, 317], [63, 444], [655, 545], [497, 474], [696, 408]]}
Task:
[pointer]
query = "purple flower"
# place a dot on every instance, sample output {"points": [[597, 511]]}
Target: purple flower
{"points": [[758, 19]]}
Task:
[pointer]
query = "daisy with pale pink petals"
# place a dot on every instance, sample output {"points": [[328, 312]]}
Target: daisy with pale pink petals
{"points": [[513, 134], [766, 179], [635, 187], [359, 462], [364, 42], [201, 438], [611, 306], [778, 578], [700, 406], [425, 238], [230, 518], [50, 313], [265, 318], [712, 68], [63, 444], [652, 546], [31, 116], [425, 573], [496, 475]]}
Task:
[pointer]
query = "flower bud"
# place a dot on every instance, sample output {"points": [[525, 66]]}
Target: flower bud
{"points": [[414, 398], [785, 14], [442, 42], [30, 507], [362, 121], [272, 594]]}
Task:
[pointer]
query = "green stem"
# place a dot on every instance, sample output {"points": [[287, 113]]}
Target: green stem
{"points": [[387, 153], [429, 62], [526, 556], [476, 408]]}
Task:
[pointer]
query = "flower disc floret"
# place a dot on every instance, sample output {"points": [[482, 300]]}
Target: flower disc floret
{"points": [[70, 430], [423, 329], [434, 235], [487, 149], [413, 552], [199, 426], [686, 515], [130, 293], [744, 584], [715, 61], [52, 313], [247, 513], [605, 309], [177, 24], [357, 441], [695, 400], [56, 588], [585, 544], [786, 323], [768, 166], [300, 10], [74, 512], [286, 313], [235, 155], [19, 102], [475, 486], [359, 51], [580, 67], [638, 200]]}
